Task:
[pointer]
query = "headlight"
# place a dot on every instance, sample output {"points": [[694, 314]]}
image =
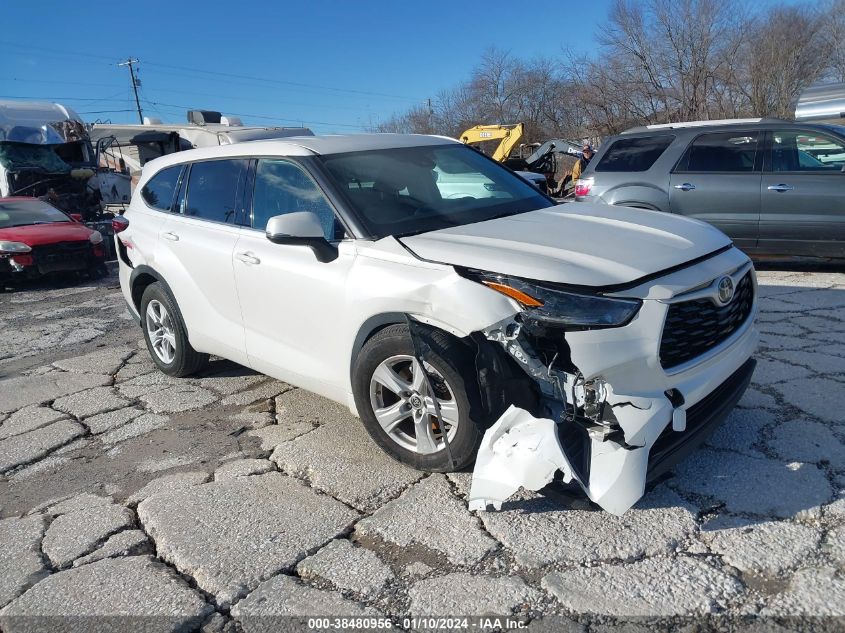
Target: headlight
{"points": [[555, 307], [14, 247], [96, 237]]}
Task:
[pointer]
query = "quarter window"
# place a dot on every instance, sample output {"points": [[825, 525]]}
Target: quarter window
{"points": [[159, 190], [215, 190], [282, 187], [796, 150], [722, 152], [634, 154]]}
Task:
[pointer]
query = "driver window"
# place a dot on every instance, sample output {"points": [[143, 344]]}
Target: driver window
{"points": [[806, 151], [282, 187]]}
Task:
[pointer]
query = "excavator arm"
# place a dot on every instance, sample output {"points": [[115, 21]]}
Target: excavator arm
{"points": [[509, 135]]}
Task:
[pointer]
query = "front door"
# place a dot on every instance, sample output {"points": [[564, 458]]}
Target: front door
{"points": [[803, 195], [293, 305], [718, 180]]}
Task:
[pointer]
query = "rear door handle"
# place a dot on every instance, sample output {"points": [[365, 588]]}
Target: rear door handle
{"points": [[687, 186], [247, 258], [170, 236], [781, 187]]}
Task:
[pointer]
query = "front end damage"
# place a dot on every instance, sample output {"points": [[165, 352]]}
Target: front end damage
{"points": [[608, 412]]}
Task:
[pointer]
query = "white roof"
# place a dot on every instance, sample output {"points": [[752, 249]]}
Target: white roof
{"points": [[300, 146], [340, 143]]}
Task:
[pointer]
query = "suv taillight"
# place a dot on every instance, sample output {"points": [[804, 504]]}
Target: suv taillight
{"points": [[119, 224], [583, 186]]}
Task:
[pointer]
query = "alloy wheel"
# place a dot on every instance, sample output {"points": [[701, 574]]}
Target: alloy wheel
{"points": [[161, 331], [405, 408]]}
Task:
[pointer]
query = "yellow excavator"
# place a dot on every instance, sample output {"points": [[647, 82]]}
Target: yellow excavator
{"points": [[509, 135]]}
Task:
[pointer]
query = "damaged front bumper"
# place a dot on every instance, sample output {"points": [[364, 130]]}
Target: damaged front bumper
{"points": [[521, 451], [611, 416]]}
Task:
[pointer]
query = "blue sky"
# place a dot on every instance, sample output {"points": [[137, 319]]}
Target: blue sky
{"points": [[333, 66]]}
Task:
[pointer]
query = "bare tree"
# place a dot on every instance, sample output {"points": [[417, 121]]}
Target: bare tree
{"points": [[658, 61], [787, 51]]}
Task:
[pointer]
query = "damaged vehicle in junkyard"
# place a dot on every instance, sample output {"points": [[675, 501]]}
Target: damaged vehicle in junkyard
{"points": [[484, 324], [46, 153]]}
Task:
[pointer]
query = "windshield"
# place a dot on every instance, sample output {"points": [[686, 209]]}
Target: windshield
{"points": [[25, 212], [412, 190]]}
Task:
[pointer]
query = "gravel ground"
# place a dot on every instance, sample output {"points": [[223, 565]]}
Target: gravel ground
{"points": [[225, 500]]}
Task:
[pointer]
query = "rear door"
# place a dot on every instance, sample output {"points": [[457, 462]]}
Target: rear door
{"points": [[803, 194], [196, 249], [718, 180]]}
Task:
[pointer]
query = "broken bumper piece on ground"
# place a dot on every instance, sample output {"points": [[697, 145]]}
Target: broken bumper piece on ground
{"points": [[522, 451], [519, 451]]}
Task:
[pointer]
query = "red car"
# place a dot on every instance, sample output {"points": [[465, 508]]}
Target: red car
{"points": [[36, 238]]}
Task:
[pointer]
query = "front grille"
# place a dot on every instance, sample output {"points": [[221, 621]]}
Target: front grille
{"points": [[694, 327], [62, 256]]}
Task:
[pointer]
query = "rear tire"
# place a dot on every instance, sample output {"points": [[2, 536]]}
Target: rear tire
{"points": [[391, 353], [166, 335]]}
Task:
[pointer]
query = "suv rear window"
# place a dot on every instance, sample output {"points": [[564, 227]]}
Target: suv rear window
{"points": [[634, 154], [159, 190]]}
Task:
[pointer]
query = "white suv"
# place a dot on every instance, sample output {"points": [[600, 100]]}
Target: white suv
{"points": [[600, 341]]}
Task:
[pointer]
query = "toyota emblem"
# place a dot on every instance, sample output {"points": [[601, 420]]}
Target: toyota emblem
{"points": [[726, 290]]}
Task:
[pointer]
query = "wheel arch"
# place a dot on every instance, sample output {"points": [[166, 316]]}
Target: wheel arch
{"points": [[143, 277], [636, 205], [374, 324], [368, 330]]}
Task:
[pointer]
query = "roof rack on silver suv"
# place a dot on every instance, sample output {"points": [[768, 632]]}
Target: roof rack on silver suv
{"points": [[711, 123]]}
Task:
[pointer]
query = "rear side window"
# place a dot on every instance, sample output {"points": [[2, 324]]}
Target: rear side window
{"points": [[634, 154], [160, 190], [722, 152], [215, 189]]}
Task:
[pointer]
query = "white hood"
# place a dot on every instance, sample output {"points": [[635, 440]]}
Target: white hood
{"points": [[581, 244]]}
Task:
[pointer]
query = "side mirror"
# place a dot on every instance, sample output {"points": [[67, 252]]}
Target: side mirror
{"points": [[301, 228], [76, 217]]}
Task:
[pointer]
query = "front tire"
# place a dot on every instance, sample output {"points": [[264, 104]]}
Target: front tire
{"points": [[398, 411], [166, 335]]}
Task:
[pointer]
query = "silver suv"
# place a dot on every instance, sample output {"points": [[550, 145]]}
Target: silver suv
{"points": [[777, 188]]}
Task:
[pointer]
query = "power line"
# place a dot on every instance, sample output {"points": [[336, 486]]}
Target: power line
{"points": [[223, 74], [53, 82], [88, 99], [283, 82], [257, 116], [107, 111], [61, 52], [225, 97]]}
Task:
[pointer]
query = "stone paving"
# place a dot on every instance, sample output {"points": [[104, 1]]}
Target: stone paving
{"points": [[222, 500]]}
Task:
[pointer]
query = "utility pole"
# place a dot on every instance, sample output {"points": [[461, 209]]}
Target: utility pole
{"points": [[135, 83]]}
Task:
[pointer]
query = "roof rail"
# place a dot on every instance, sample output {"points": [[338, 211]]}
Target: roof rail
{"points": [[713, 123]]}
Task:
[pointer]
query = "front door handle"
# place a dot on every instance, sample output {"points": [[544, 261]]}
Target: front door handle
{"points": [[687, 186], [781, 187], [247, 258], [170, 236]]}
